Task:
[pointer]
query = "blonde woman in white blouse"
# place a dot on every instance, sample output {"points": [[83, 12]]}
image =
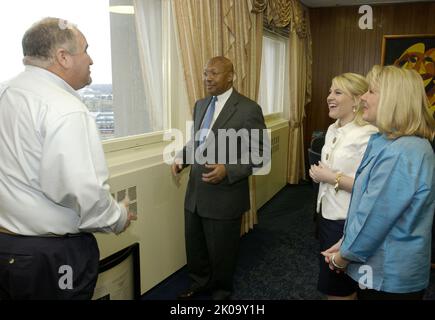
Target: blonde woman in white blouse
{"points": [[345, 143]]}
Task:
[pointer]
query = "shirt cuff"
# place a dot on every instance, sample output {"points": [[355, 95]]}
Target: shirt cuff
{"points": [[119, 226], [346, 254]]}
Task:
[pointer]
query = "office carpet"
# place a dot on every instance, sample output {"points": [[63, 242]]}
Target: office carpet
{"points": [[278, 258]]}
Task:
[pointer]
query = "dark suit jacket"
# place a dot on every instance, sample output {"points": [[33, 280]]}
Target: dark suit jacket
{"points": [[229, 198]]}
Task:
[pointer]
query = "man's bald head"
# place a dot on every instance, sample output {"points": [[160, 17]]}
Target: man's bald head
{"points": [[225, 62]]}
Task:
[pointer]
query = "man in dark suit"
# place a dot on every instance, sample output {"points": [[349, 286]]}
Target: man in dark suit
{"points": [[218, 189]]}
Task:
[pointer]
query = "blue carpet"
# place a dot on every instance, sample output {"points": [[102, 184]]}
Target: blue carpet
{"points": [[278, 258]]}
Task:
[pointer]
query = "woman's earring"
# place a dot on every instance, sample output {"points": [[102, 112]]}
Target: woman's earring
{"points": [[354, 109]]}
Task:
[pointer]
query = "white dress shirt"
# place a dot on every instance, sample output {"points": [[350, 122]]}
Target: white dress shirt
{"points": [[343, 151], [220, 103], [221, 100], [53, 175]]}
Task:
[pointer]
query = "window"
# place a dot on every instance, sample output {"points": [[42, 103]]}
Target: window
{"points": [[139, 60], [273, 79], [126, 48]]}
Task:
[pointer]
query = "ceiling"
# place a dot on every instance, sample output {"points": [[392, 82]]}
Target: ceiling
{"points": [[334, 3]]}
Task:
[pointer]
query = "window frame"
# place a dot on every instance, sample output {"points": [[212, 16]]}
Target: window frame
{"points": [[168, 47], [276, 36]]}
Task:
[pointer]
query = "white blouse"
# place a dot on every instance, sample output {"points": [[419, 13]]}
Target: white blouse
{"points": [[343, 151], [53, 174]]}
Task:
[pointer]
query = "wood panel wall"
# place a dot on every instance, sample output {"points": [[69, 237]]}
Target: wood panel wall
{"points": [[340, 46]]}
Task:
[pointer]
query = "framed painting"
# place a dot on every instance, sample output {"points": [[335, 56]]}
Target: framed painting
{"points": [[413, 52]]}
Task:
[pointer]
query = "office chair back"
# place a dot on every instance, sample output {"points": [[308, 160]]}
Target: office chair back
{"points": [[317, 143], [313, 156]]}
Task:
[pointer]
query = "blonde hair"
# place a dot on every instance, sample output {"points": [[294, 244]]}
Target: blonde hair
{"points": [[354, 85], [403, 105]]}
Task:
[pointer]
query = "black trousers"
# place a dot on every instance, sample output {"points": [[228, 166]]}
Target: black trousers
{"points": [[48, 268], [212, 248]]}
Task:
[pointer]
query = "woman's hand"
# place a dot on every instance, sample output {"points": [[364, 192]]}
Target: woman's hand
{"points": [[322, 173], [334, 249], [333, 253]]}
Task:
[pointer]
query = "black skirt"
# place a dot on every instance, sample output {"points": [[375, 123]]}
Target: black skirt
{"points": [[330, 282]]}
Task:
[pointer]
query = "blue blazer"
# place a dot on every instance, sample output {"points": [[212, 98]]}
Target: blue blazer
{"points": [[387, 234]]}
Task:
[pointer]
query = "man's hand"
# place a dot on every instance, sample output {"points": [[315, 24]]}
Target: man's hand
{"points": [[130, 215], [176, 167], [217, 174]]}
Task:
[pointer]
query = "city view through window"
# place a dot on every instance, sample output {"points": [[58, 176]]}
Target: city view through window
{"points": [[99, 100], [94, 22]]}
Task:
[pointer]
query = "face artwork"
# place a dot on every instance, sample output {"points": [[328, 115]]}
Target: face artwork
{"points": [[422, 60]]}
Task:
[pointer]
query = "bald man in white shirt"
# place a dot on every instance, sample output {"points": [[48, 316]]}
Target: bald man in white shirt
{"points": [[53, 176]]}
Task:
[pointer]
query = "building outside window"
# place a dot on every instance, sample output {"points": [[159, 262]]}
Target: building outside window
{"points": [[118, 96]]}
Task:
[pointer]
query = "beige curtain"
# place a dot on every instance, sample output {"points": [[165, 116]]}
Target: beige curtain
{"points": [[300, 90], [300, 95], [208, 28], [283, 13]]}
